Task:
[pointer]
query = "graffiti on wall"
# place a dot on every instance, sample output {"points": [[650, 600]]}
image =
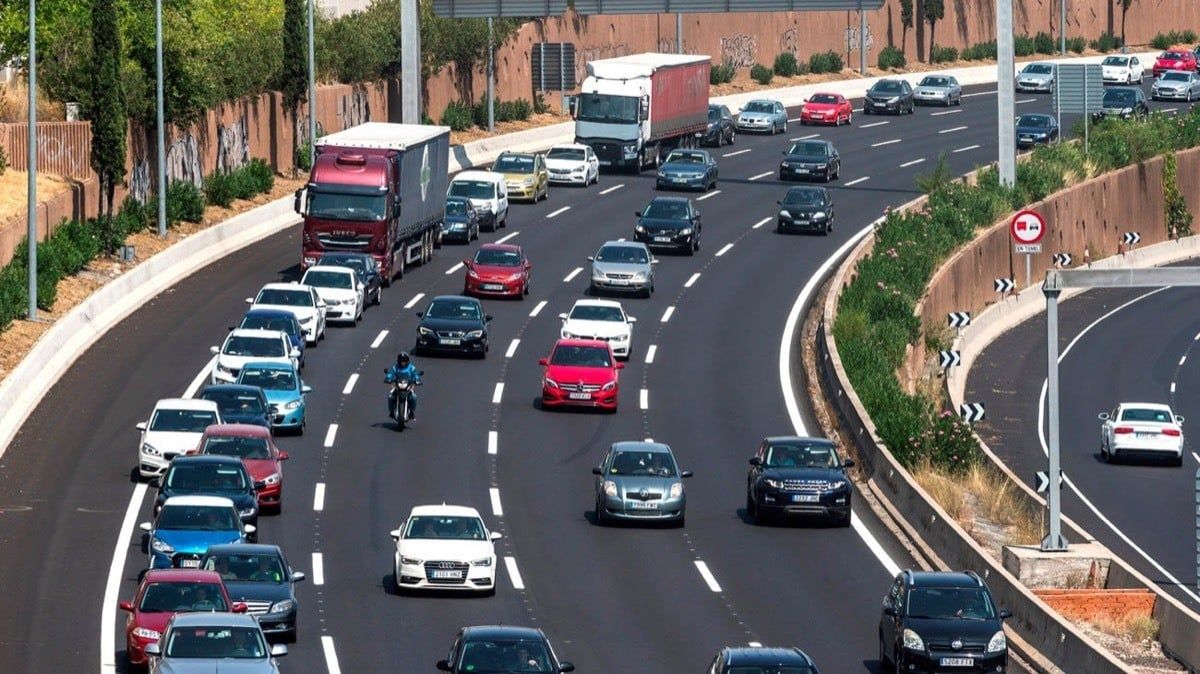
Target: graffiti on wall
{"points": [[852, 42], [183, 164], [789, 41], [595, 53], [739, 50], [666, 45], [233, 145], [67, 158], [354, 108]]}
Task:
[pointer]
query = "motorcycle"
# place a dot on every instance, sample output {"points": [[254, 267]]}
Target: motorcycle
{"points": [[400, 401]]}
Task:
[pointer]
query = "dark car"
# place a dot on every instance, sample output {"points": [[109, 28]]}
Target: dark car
{"points": [[239, 404], [811, 159], [260, 577], [1123, 102], [889, 95], [762, 660], [276, 319], [210, 475], [942, 622], [365, 266], [669, 222], [462, 220], [808, 209], [453, 324], [798, 476], [502, 648], [687, 169], [1036, 130], [720, 126]]}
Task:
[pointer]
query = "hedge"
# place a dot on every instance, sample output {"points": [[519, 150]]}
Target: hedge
{"points": [[222, 187], [891, 57], [940, 54], [1172, 38], [1106, 42], [984, 51]]}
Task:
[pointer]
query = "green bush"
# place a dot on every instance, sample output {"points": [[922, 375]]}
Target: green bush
{"points": [[984, 51], [721, 73], [1188, 36], [1163, 40], [303, 156], [459, 116], [940, 54], [219, 189], [516, 111], [1076, 45], [761, 74], [1106, 42], [1043, 43], [1023, 45], [826, 62], [262, 177], [785, 65], [890, 58]]}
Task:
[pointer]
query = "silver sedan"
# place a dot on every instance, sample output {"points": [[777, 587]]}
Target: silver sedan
{"points": [[640, 481], [202, 643], [1179, 85], [939, 90], [622, 266]]}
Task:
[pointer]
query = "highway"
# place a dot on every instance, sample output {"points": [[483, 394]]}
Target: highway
{"points": [[610, 599]]}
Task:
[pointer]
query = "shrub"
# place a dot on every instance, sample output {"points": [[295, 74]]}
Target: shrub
{"points": [[1188, 36], [785, 65], [722, 73], [825, 62], [516, 111], [459, 116], [940, 54], [1043, 43], [262, 177], [303, 156], [1076, 44], [802, 68], [219, 189], [3, 160], [891, 57], [1163, 40], [1106, 42], [761, 74], [540, 106], [1023, 45]]}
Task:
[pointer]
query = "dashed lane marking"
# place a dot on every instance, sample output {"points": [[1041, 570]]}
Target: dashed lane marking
{"points": [[331, 435], [349, 387], [379, 340], [413, 302], [709, 578], [574, 272], [612, 189]]}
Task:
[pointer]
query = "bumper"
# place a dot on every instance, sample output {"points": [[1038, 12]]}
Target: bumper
{"points": [[712, 136], [135, 649], [664, 510], [415, 577], [680, 241], [1115, 79], [1030, 141], [833, 505], [578, 178], [1169, 94], [342, 312], [931, 661], [457, 232], [1035, 86], [152, 466], [819, 118], [673, 182], [1148, 451], [808, 225], [274, 624], [754, 127], [931, 98], [553, 397], [469, 346], [494, 288], [522, 192], [176, 560], [786, 171], [270, 496], [620, 285], [487, 220], [879, 106], [288, 418]]}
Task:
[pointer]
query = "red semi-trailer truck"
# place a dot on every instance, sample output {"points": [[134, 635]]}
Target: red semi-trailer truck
{"points": [[377, 188], [633, 110]]}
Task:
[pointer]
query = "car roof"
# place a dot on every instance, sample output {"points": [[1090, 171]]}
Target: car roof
{"points": [[502, 632], [808, 188], [639, 446], [193, 500], [292, 285], [581, 342], [796, 438], [1153, 406], [185, 404], [181, 576], [764, 655], [827, 93], [244, 549], [501, 246], [214, 619], [943, 579], [681, 200], [255, 332], [485, 176], [333, 268], [455, 298], [596, 303], [517, 154], [230, 388], [238, 430], [626, 244], [571, 146], [185, 459], [772, 101], [444, 510], [811, 140]]}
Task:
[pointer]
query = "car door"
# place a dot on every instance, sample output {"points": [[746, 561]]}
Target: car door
{"points": [[593, 164], [543, 175], [694, 217], [501, 188], [712, 167], [1136, 66], [908, 91]]}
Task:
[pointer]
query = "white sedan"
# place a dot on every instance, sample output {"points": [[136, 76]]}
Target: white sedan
{"points": [[1122, 70], [244, 345], [301, 300], [444, 547], [1146, 429], [341, 290], [175, 427], [573, 164], [604, 320]]}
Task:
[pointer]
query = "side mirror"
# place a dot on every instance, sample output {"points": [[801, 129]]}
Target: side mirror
{"points": [[566, 667], [848, 463], [295, 353], [420, 314], [443, 666], [1004, 613], [146, 526], [278, 650], [240, 607], [249, 300], [260, 485], [889, 611], [214, 350], [637, 214], [495, 536], [487, 318], [466, 262], [152, 649], [778, 202], [563, 316], [1179, 419], [591, 258], [298, 576], [125, 605], [686, 474], [631, 319], [284, 456], [620, 366], [1103, 416], [299, 202], [755, 461], [395, 534], [250, 528], [543, 362], [141, 426], [597, 471], [528, 265], [306, 389]]}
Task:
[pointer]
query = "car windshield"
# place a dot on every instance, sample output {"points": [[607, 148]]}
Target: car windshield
{"points": [[327, 279], [495, 657], [625, 254], [241, 447], [285, 298], [685, 158], [182, 598], [456, 207], [259, 347], [1119, 96], [714, 114], [887, 87], [568, 153], [1176, 77], [206, 477], [804, 197], [445, 527], [597, 312], [498, 257], [344, 206], [182, 421], [648, 464], [197, 518], [759, 106], [1115, 61], [1037, 69], [473, 189], [268, 380], [801, 455], [514, 163], [284, 324], [1034, 121], [581, 356], [808, 149], [823, 98], [948, 603], [607, 109], [1144, 414], [934, 81], [215, 643], [248, 568], [234, 402], [770, 669], [453, 309], [668, 209]]}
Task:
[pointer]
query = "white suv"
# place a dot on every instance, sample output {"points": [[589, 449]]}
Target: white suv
{"points": [[443, 547], [244, 345], [174, 428], [604, 320]]}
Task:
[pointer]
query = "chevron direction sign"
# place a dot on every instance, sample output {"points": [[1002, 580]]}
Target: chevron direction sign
{"points": [[949, 359], [958, 319], [971, 412]]}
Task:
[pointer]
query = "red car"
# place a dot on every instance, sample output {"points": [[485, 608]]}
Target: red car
{"points": [[1175, 59], [580, 372], [254, 446], [162, 594], [827, 109], [498, 270]]}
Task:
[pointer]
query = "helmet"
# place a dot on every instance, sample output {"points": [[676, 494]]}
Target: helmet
{"points": [[402, 359]]}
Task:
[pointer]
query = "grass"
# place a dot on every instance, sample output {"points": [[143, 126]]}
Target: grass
{"points": [[1135, 627], [982, 494], [14, 105], [13, 186]]}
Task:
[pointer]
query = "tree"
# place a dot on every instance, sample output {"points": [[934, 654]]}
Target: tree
{"points": [[293, 76], [906, 20], [107, 111], [935, 10], [1125, 4]]}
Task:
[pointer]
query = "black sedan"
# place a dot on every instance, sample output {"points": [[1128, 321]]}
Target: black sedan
{"points": [[453, 324], [210, 475], [367, 268], [260, 577], [462, 220], [502, 648], [1036, 130], [720, 128], [1123, 102], [890, 95], [808, 209], [240, 404], [811, 159], [688, 169], [669, 222], [761, 659], [792, 476]]}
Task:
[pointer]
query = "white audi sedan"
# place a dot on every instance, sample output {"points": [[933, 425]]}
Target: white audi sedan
{"points": [[1142, 429], [340, 289], [445, 547], [301, 300], [244, 346], [604, 320], [175, 427]]}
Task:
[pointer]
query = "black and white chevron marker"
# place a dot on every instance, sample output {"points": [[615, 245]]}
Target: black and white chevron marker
{"points": [[949, 359], [971, 412], [1062, 259], [1131, 238], [958, 319], [1003, 285]]}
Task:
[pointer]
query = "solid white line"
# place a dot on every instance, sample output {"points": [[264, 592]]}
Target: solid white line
{"points": [[966, 149], [350, 384], [809, 136], [734, 154], [1196, 457], [1172, 387], [614, 188], [858, 180], [953, 129], [797, 119], [331, 435], [572, 275], [318, 568], [512, 348], [112, 589], [724, 249], [755, 644], [455, 269], [494, 495], [760, 223], [667, 314], [945, 112], [1183, 360], [319, 497], [1024, 100], [560, 211], [650, 353], [514, 574], [886, 142], [379, 340], [709, 578], [200, 378], [709, 195], [912, 163], [413, 302], [506, 237], [872, 124], [538, 309], [762, 175], [498, 393], [691, 280], [644, 399], [331, 661], [493, 442]]}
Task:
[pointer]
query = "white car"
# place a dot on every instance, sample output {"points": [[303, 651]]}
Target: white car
{"points": [[243, 346], [604, 320], [1121, 70], [445, 547], [1146, 429], [573, 163], [341, 290], [174, 428], [301, 300]]}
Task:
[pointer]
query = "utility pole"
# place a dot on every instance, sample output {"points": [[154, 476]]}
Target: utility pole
{"points": [[312, 90], [678, 32], [491, 77], [31, 191], [158, 118], [1054, 541], [1005, 68], [1062, 26], [410, 63], [862, 39]]}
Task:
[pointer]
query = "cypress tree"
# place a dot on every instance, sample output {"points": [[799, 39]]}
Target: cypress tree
{"points": [[108, 114]]}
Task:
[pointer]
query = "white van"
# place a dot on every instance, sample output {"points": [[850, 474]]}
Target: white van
{"points": [[488, 194]]}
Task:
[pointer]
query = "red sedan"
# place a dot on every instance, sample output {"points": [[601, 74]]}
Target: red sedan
{"points": [[580, 372], [499, 270], [162, 594], [827, 109], [1175, 59], [254, 446]]}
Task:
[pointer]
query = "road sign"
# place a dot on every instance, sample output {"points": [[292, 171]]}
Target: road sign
{"points": [[949, 359], [1004, 285], [1043, 481], [1027, 227], [971, 412], [1028, 248], [1079, 89], [958, 319], [1062, 259], [1131, 238]]}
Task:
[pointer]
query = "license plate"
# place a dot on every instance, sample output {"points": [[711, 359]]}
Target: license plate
{"points": [[189, 564], [642, 505], [958, 662], [801, 170], [805, 498], [1146, 435], [446, 574], [605, 162], [679, 180], [583, 395], [662, 239], [880, 105], [451, 342], [618, 281], [493, 286]]}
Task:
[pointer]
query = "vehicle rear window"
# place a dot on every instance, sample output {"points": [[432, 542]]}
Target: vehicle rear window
{"points": [[182, 421], [456, 208], [210, 643], [284, 298], [269, 380], [581, 356], [1139, 414], [241, 447], [1171, 56], [198, 518], [182, 598]]}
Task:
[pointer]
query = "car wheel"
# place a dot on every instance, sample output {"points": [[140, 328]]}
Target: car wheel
{"points": [[732, 136], [886, 663], [828, 229], [303, 423], [1104, 455], [601, 518]]}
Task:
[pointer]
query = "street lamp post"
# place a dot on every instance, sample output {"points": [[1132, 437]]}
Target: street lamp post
{"points": [[312, 90], [31, 212], [158, 118]]}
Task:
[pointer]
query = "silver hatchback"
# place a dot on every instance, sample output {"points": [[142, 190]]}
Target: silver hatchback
{"points": [[640, 481], [623, 266]]}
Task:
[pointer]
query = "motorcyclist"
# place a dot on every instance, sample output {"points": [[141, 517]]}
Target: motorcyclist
{"points": [[403, 369]]}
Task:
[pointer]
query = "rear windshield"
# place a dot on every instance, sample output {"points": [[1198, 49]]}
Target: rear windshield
{"points": [[581, 356], [182, 598], [624, 254], [182, 421], [1136, 414], [456, 208], [214, 643], [285, 298], [472, 189], [270, 380], [1171, 56], [243, 448]]}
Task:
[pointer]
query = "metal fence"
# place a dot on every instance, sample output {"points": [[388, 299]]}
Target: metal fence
{"points": [[64, 148]]}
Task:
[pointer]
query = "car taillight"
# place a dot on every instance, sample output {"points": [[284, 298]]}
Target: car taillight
{"points": [[1122, 430], [1173, 432]]}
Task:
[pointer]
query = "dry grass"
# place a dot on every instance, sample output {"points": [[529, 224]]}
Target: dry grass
{"points": [[14, 192], [14, 105], [1135, 627], [534, 122], [985, 503]]}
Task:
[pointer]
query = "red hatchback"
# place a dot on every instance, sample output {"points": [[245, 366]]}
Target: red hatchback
{"points": [[827, 109], [499, 270], [1175, 59], [254, 446], [162, 594], [580, 372]]}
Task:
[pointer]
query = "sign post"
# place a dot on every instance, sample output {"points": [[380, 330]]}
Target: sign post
{"points": [[1027, 229]]}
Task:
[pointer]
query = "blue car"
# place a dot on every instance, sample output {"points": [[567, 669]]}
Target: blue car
{"points": [[275, 319], [284, 389], [187, 525], [687, 169]]}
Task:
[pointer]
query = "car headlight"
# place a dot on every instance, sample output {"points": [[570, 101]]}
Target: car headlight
{"points": [[893, 99], [475, 334], [639, 276], [836, 485], [306, 321], [273, 478], [912, 641], [161, 546], [486, 207], [472, 273], [224, 370], [516, 277], [527, 182], [597, 274], [551, 383], [773, 483], [609, 386], [686, 231], [610, 488], [247, 512], [293, 404], [662, 174], [784, 214], [409, 561], [677, 490], [1039, 135], [639, 229], [424, 331], [486, 561], [1126, 111], [147, 448], [283, 606], [819, 215], [998, 643], [621, 338], [629, 150], [146, 633]]}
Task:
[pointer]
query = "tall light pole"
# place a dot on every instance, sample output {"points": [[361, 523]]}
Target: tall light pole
{"points": [[312, 90], [158, 118], [678, 32], [1005, 69], [31, 191], [491, 77], [1062, 26], [410, 63], [862, 39]]}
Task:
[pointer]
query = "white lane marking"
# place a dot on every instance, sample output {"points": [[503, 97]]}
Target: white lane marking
{"points": [[1196, 338], [979, 93], [514, 574], [667, 314], [734, 154], [560, 211], [650, 353], [966, 149], [331, 435], [506, 237], [709, 578], [754, 644], [349, 387], [691, 280], [797, 119], [644, 399], [379, 340], [195, 383], [809, 136], [612, 189], [538, 309], [318, 568], [953, 129], [1196, 457], [762, 175], [1024, 100], [760, 223], [512, 348], [886, 142], [945, 112], [912, 163], [1172, 387], [498, 393], [319, 497], [331, 661], [493, 442], [455, 269], [858, 180], [873, 124], [1183, 360], [574, 272], [108, 653], [709, 195], [724, 249], [413, 302], [494, 495]]}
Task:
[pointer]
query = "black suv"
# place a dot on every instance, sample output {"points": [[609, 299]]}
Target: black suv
{"points": [[720, 128], [1123, 102], [742, 660], [942, 622], [798, 476], [889, 95], [494, 648]]}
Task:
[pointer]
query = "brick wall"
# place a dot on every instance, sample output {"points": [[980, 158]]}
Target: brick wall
{"points": [[1115, 605]]}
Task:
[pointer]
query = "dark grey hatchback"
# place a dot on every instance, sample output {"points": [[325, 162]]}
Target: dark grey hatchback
{"points": [[762, 660], [811, 159], [807, 209], [453, 324], [499, 649]]}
